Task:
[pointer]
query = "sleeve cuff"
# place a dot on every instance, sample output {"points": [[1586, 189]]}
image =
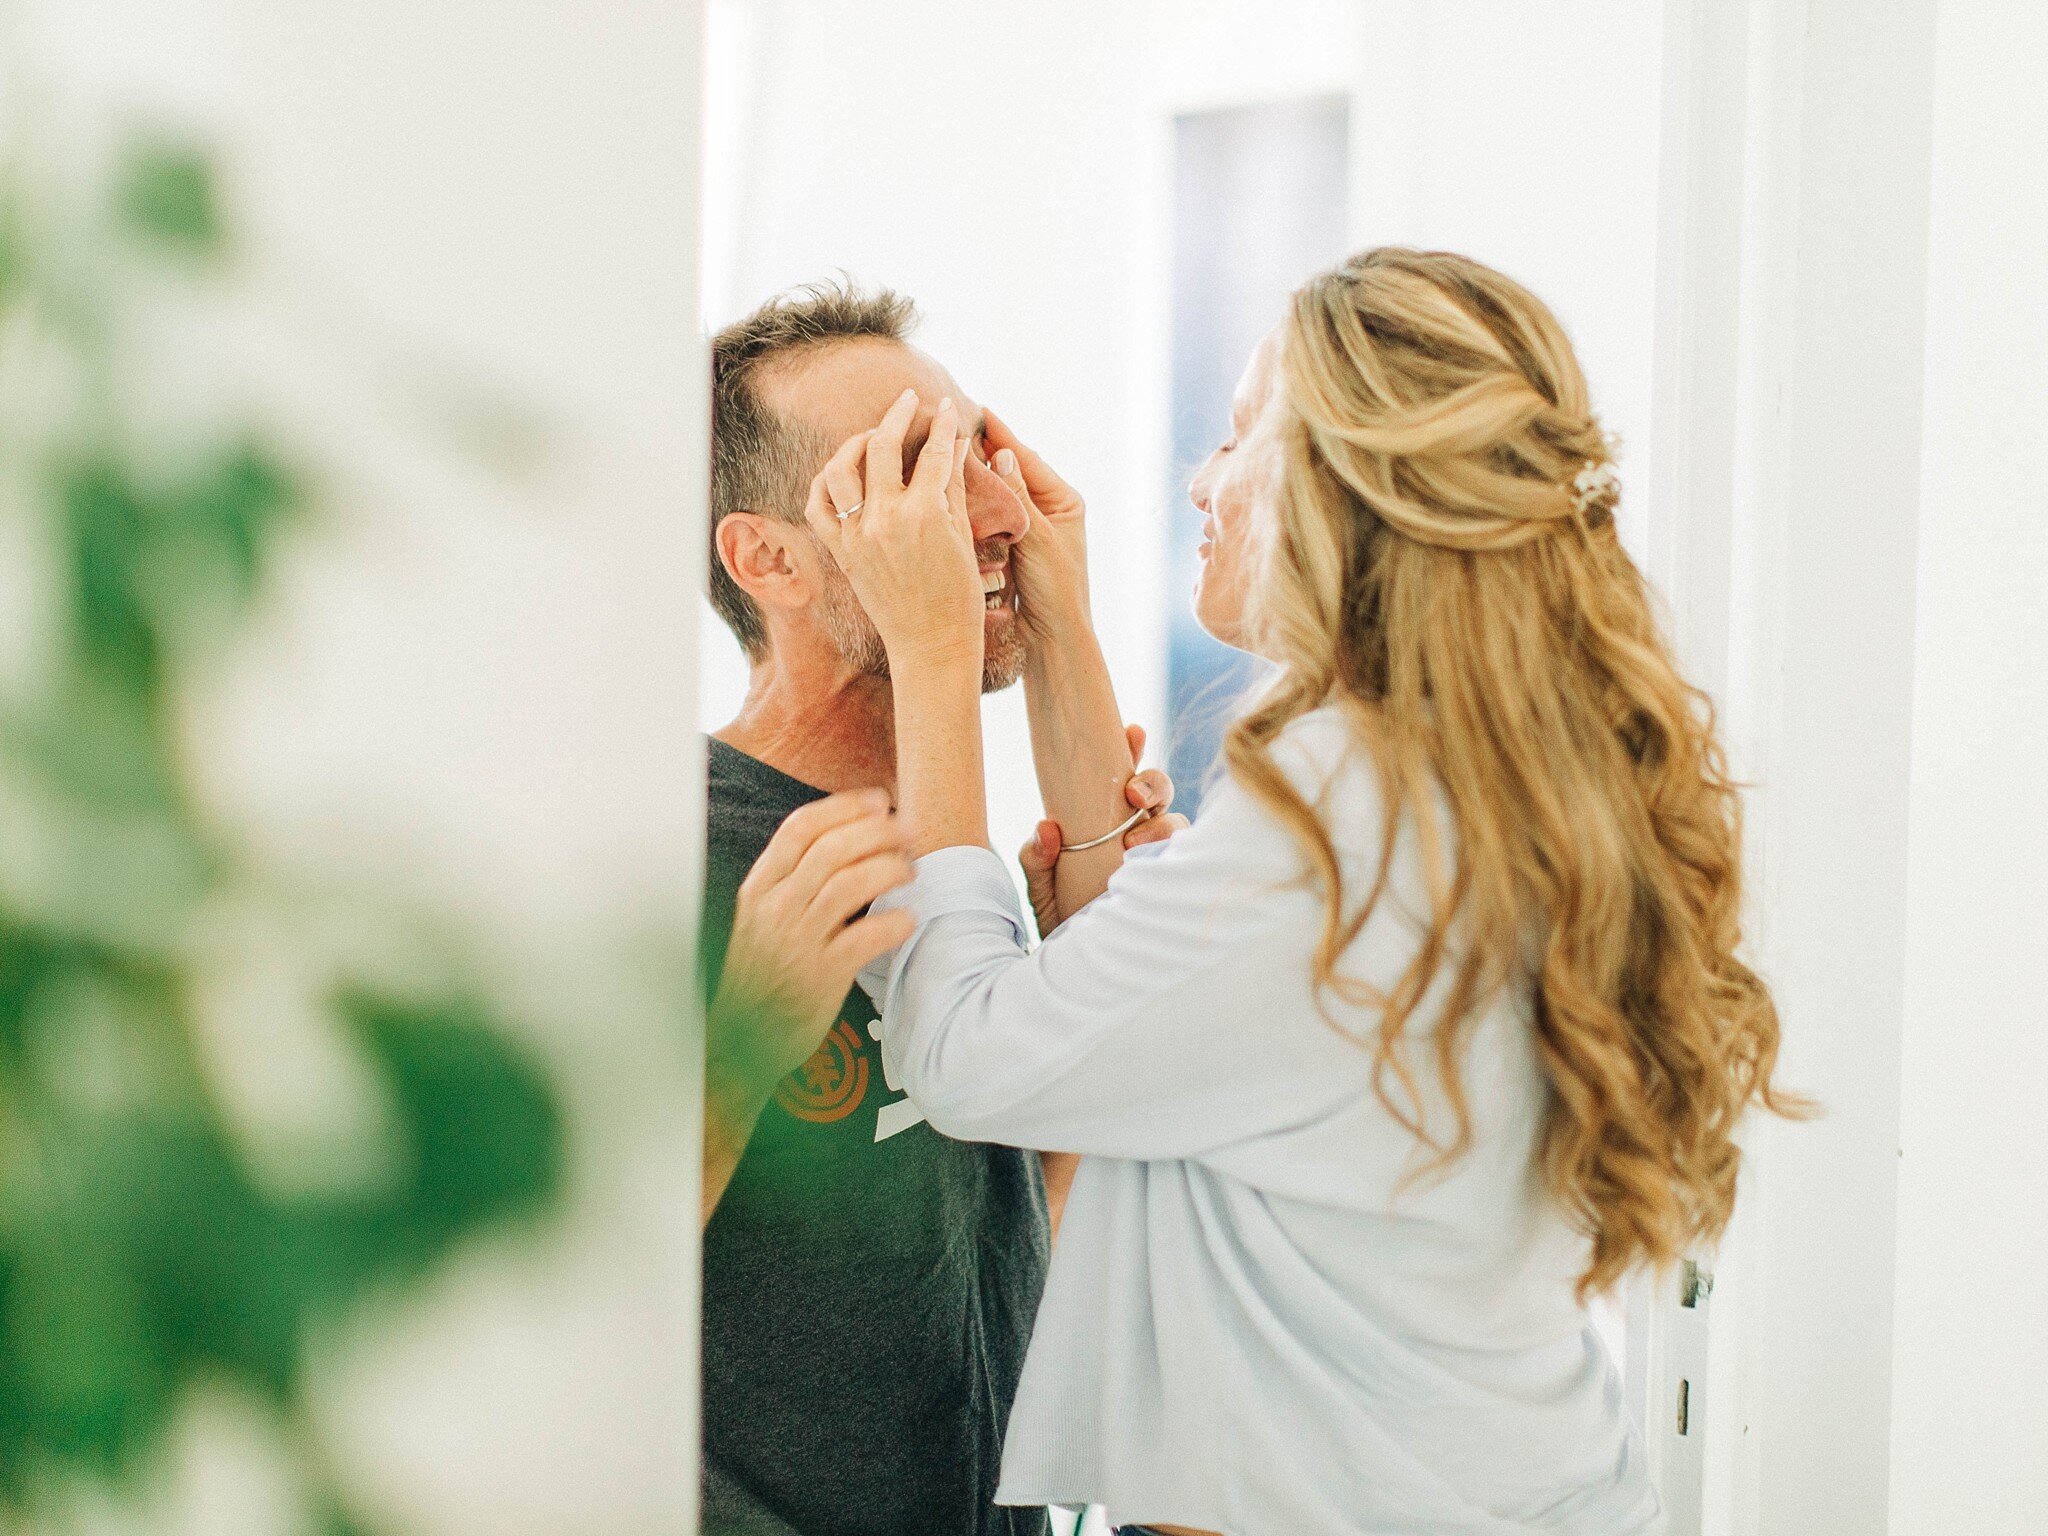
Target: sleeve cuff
{"points": [[959, 879], [962, 879]]}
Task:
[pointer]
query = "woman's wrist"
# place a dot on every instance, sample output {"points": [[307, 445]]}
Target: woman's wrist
{"points": [[936, 649], [1056, 626], [1065, 648], [941, 791], [1050, 568]]}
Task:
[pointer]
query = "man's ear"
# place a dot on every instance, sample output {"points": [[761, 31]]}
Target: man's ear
{"points": [[768, 559]]}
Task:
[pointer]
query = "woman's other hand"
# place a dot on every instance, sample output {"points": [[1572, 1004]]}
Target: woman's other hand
{"points": [[1051, 560], [908, 549], [1150, 790], [799, 937]]}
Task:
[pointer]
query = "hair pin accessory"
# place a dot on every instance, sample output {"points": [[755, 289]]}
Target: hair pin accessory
{"points": [[1596, 482]]}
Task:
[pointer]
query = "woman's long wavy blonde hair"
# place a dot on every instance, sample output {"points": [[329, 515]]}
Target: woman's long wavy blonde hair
{"points": [[1434, 572]]}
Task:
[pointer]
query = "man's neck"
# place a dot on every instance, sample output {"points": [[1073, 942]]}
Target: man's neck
{"points": [[809, 717]]}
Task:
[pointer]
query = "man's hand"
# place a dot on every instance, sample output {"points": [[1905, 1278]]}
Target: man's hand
{"points": [[1150, 790], [798, 940]]}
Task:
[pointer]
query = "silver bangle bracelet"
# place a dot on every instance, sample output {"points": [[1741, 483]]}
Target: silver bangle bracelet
{"points": [[1115, 832]]}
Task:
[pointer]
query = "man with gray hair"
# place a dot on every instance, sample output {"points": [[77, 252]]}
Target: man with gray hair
{"points": [[869, 1285]]}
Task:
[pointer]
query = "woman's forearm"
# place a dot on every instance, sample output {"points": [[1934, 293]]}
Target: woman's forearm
{"points": [[940, 790], [1081, 753]]}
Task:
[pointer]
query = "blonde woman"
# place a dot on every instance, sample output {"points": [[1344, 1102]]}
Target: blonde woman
{"points": [[1428, 1030]]}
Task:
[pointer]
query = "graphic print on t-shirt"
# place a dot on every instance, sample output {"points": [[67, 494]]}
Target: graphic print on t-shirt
{"points": [[832, 1084]]}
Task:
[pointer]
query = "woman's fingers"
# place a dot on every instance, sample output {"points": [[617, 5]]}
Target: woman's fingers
{"points": [[1005, 466], [842, 473], [1043, 486], [885, 448], [1134, 738], [935, 462], [998, 436], [834, 489], [956, 484], [795, 837]]}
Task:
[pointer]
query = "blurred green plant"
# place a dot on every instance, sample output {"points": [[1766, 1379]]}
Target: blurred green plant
{"points": [[140, 1253]]}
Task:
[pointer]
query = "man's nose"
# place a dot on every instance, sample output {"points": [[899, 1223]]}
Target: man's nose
{"points": [[993, 510]]}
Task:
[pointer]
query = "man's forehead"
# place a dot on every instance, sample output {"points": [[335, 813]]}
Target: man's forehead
{"points": [[844, 387]]}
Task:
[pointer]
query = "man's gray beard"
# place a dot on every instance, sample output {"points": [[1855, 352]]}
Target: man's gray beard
{"points": [[857, 640]]}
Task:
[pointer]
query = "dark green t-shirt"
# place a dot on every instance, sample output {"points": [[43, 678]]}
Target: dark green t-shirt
{"points": [[869, 1284]]}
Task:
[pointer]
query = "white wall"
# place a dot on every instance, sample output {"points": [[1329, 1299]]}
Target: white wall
{"points": [[1969, 1402], [1527, 136], [1830, 105], [1200, 54]]}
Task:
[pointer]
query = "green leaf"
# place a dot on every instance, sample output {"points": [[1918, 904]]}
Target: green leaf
{"points": [[87, 1381], [225, 1285], [476, 1114], [212, 532], [105, 527], [16, 1432], [166, 195], [242, 498], [28, 962], [13, 250]]}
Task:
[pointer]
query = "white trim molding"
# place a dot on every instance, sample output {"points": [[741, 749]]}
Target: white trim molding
{"points": [[1793, 277]]}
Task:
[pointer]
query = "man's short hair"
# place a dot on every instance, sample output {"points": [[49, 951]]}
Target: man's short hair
{"points": [[759, 462]]}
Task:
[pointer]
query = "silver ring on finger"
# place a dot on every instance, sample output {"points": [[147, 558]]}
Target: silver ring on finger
{"points": [[843, 516]]}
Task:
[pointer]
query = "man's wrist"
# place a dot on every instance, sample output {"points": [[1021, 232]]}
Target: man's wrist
{"points": [[738, 1076], [732, 1106]]}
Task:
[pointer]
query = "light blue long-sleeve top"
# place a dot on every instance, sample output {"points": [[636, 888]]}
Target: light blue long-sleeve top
{"points": [[1255, 1321]]}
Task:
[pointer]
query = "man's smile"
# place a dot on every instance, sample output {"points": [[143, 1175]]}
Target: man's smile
{"points": [[995, 583], [997, 592]]}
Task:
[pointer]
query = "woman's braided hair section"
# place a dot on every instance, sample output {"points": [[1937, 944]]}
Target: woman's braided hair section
{"points": [[1458, 425]]}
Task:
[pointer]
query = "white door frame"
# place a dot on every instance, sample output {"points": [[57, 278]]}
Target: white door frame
{"points": [[1790, 364]]}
